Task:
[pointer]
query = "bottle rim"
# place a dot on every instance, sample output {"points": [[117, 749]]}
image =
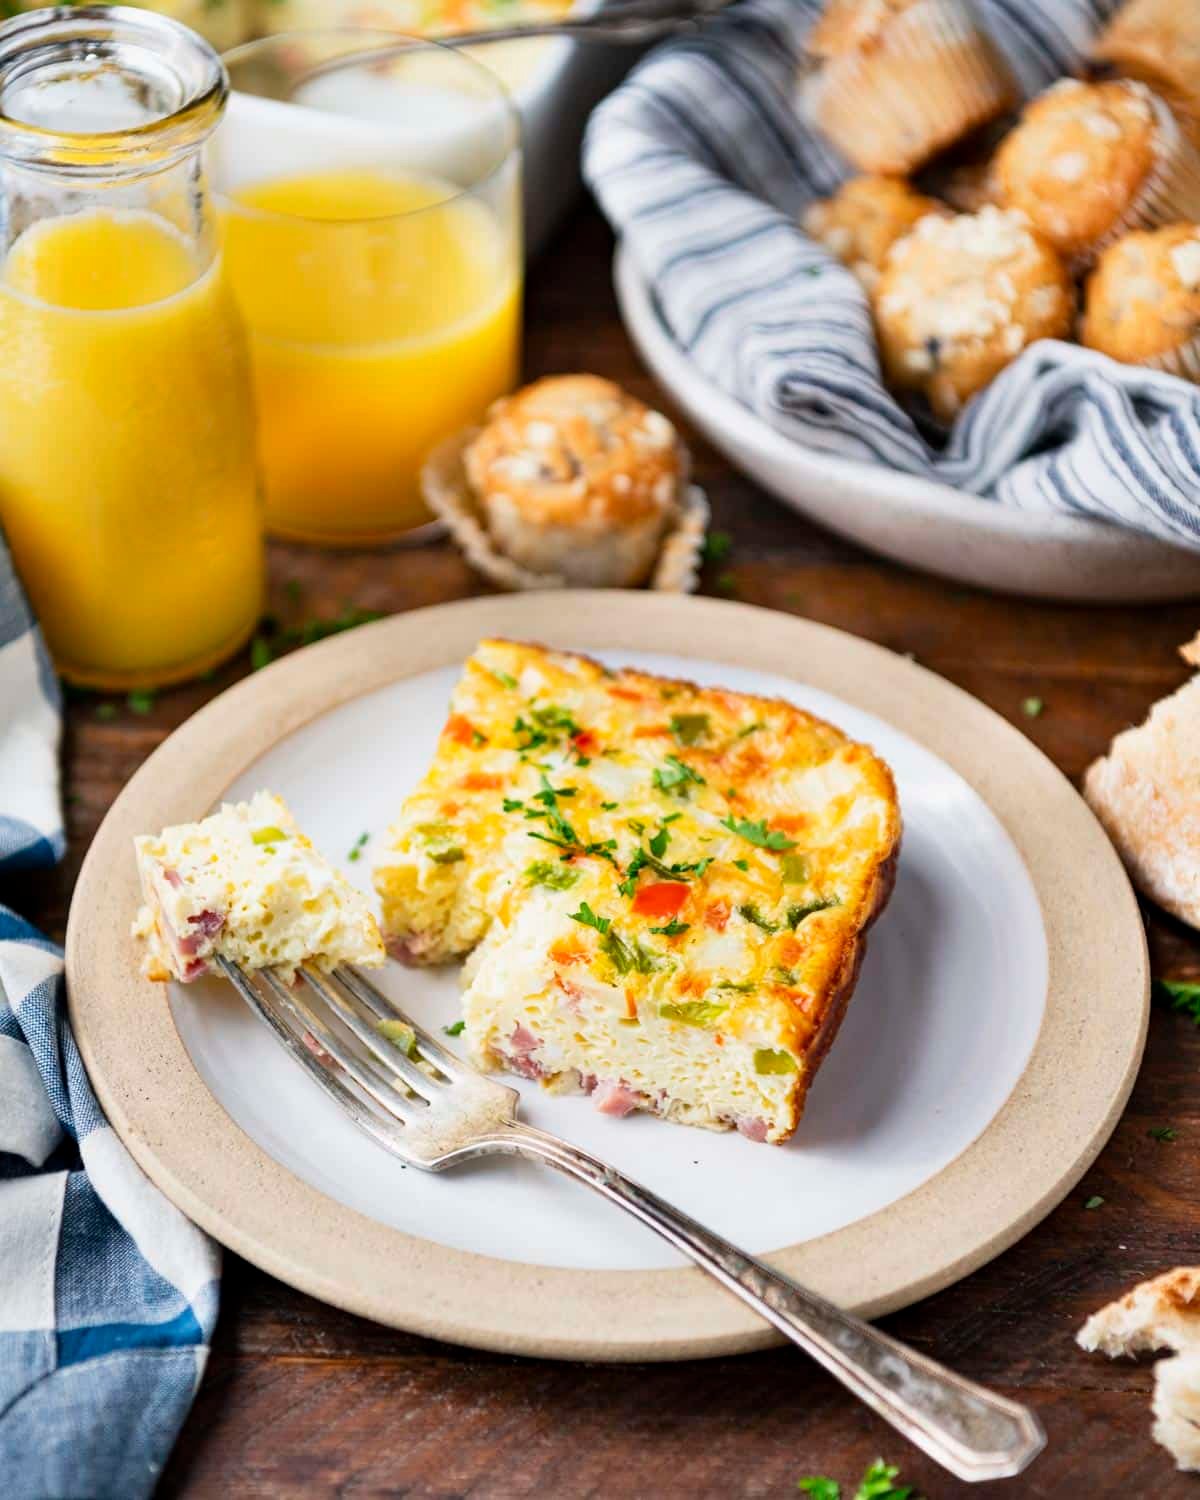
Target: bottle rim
{"points": [[178, 71]]}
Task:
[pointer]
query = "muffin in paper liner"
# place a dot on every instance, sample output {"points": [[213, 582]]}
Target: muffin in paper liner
{"points": [[901, 85], [1142, 302], [448, 494], [1169, 191]]}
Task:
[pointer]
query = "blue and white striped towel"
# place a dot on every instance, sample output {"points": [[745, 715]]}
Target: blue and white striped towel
{"points": [[108, 1295], [700, 162]]}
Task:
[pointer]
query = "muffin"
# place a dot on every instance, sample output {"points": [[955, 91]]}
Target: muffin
{"points": [[574, 477], [897, 80], [864, 219], [1090, 161], [1158, 41], [960, 298], [1142, 302]]}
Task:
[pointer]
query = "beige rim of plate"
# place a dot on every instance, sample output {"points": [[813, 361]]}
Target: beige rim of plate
{"points": [[1035, 1149]]}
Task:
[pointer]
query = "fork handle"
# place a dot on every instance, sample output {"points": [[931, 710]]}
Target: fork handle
{"points": [[970, 1431]]}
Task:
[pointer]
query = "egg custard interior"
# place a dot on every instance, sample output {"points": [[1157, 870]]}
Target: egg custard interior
{"points": [[663, 889]]}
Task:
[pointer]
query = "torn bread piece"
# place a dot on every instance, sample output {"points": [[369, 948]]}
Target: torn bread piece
{"points": [[1144, 793], [245, 884], [1160, 1314]]}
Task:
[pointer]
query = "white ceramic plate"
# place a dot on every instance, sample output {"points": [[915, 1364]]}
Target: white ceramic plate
{"points": [[863, 1144], [916, 521], [963, 1097]]}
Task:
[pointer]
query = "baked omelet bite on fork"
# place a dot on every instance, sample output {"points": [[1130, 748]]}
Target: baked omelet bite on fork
{"points": [[663, 889], [246, 885]]}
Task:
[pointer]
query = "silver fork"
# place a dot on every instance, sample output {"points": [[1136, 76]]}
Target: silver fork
{"points": [[432, 1110]]}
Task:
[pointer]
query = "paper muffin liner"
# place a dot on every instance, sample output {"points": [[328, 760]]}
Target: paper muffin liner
{"points": [[891, 118], [1183, 361], [1170, 194], [448, 494]]}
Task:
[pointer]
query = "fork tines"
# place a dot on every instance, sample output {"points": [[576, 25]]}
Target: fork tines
{"points": [[332, 1025]]}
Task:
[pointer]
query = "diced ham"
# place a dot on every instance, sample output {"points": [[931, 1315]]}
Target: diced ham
{"points": [[172, 877], [614, 1099], [522, 1041], [208, 922], [753, 1129], [409, 950], [193, 968]]}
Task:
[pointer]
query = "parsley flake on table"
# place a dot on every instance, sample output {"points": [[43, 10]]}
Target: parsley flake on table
{"points": [[106, 711], [1033, 708], [1162, 1133], [757, 833], [456, 1029], [1095, 1201], [876, 1484], [716, 546], [1180, 994], [140, 701], [357, 848]]}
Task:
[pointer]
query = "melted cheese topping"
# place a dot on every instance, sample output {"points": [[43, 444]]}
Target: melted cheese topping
{"points": [[668, 882], [247, 885]]}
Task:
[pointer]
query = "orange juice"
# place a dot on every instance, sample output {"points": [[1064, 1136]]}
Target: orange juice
{"points": [[384, 314], [127, 482]]}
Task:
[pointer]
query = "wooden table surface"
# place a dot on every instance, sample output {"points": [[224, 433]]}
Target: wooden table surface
{"points": [[300, 1399]]}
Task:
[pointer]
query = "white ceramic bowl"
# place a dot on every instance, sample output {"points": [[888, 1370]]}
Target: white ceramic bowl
{"points": [[916, 521]]}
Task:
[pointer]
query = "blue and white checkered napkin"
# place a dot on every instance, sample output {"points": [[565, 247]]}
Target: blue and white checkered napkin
{"points": [[108, 1295], [700, 162]]}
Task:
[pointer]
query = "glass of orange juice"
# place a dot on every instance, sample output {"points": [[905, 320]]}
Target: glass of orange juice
{"points": [[128, 485], [370, 188]]}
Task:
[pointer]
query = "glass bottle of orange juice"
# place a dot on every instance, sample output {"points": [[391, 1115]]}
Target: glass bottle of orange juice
{"points": [[128, 491]]}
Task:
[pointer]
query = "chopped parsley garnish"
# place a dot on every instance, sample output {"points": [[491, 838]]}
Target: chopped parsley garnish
{"points": [[588, 918], [449, 856], [674, 776], [272, 640], [456, 1029], [692, 1012], [646, 860], [261, 653], [797, 914], [749, 729], [1095, 1201], [268, 835], [544, 726], [357, 848], [140, 701], [658, 844], [758, 833], [819, 1487], [610, 806], [767, 1061], [1162, 1133], [1180, 994], [742, 864], [672, 818], [558, 877], [513, 804], [752, 914], [690, 729], [793, 869], [672, 929], [1032, 708], [106, 711], [636, 824], [505, 679], [745, 988]]}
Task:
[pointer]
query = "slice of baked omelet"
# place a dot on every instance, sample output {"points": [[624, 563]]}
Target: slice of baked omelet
{"points": [[664, 889]]}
